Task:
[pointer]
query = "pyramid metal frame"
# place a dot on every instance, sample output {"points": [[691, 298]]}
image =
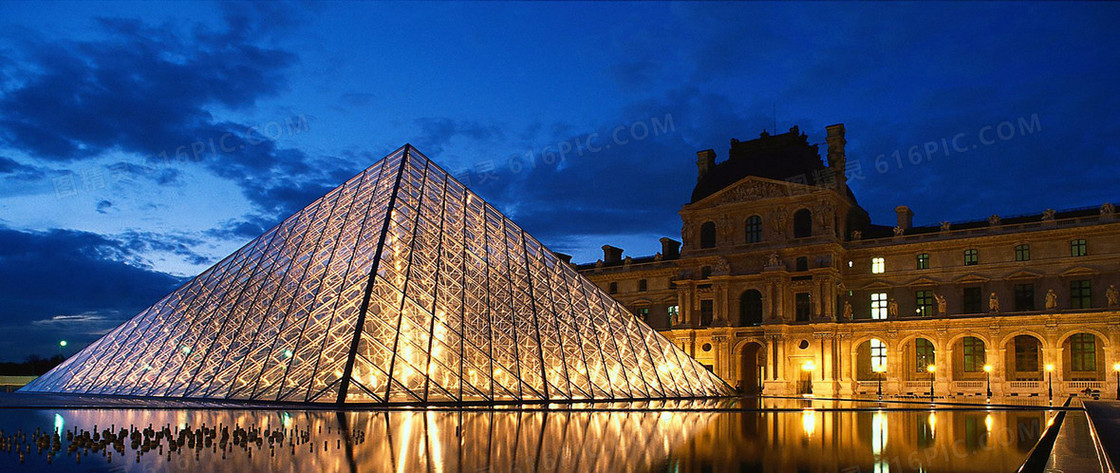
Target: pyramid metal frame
{"points": [[400, 286]]}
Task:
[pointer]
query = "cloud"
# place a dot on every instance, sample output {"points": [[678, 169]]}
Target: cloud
{"points": [[437, 132], [68, 274]]}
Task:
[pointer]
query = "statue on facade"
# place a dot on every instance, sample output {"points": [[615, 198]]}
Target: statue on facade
{"points": [[721, 266], [1048, 215], [1051, 299], [994, 220], [898, 231], [942, 304], [1112, 296], [993, 303], [774, 261], [892, 308], [1108, 209], [847, 314], [945, 226], [857, 235]]}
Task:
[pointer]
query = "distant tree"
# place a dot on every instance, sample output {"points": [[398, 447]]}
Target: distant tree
{"points": [[34, 365]]}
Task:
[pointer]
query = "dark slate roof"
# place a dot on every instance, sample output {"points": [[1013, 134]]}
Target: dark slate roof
{"points": [[786, 156], [883, 231]]}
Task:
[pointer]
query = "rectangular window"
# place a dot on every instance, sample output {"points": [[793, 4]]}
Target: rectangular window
{"points": [[613, 288], [754, 229], [1078, 247], [643, 314], [923, 300], [642, 285], [1024, 297], [1022, 252], [1080, 294], [803, 306], [971, 257], [972, 301], [973, 354], [1083, 352], [674, 315], [878, 265], [878, 355], [706, 312], [923, 261], [923, 355], [879, 305], [1026, 354]]}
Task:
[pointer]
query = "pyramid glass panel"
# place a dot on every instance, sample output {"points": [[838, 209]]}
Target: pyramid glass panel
{"points": [[399, 286]]}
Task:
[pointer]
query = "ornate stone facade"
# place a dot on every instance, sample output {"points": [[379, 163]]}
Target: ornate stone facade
{"points": [[812, 297]]}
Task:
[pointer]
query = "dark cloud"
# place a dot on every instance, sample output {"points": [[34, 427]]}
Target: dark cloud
{"points": [[49, 278], [104, 206], [437, 133], [11, 169]]}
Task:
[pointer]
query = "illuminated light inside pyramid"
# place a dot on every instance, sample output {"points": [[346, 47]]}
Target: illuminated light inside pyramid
{"points": [[399, 286]]}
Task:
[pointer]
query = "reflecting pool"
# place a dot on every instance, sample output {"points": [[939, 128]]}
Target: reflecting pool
{"points": [[768, 435]]}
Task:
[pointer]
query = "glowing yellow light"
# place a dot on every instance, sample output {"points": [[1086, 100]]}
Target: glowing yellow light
{"points": [[932, 424], [931, 368], [878, 432], [1116, 367], [988, 369], [1049, 367], [988, 422], [808, 421], [808, 366]]}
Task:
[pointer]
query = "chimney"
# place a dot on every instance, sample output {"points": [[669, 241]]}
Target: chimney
{"points": [[563, 257], [837, 159], [611, 254], [905, 217], [670, 248], [705, 162]]}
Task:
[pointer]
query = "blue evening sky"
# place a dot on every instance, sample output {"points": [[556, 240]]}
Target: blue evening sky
{"points": [[141, 142]]}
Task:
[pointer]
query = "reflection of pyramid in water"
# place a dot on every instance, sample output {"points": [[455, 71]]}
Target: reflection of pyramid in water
{"points": [[454, 303]]}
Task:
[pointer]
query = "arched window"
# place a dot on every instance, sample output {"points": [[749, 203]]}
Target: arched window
{"points": [[923, 355], [708, 235], [750, 308], [754, 229], [1083, 352], [802, 224], [973, 359]]}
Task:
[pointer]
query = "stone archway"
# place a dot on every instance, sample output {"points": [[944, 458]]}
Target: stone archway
{"points": [[752, 368]]}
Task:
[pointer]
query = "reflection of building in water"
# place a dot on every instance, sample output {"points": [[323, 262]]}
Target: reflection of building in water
{"points": [[783, 282], [399, 440], [847, 440]]}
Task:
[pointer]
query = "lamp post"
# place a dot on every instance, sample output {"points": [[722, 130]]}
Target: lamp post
{"points": [[1116, 368], [1050, 381], [879, 370], [808, 367], [931, 369], [988, 374], [61, 345]]}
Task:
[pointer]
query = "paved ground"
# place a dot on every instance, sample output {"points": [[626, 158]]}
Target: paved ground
{"points": [[1105, 419]]}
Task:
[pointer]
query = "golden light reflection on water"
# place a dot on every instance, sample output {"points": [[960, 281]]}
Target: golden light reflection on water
{"points": [[816, 437]]}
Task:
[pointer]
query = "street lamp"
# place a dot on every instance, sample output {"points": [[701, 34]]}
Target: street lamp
{"points": [[61, 345], [1050, 381], [988, 374], [931, 369], [1116, 368], [879, 370], [808, 367]]}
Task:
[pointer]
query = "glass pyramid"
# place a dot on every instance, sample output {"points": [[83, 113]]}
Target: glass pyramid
{"points": [[399, 286]]}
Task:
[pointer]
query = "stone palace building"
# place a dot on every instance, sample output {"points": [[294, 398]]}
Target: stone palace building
{"points": [[784, 285]]}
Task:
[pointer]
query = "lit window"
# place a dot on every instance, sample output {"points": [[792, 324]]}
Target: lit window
{"points": [[923, 300], [923, 261], [1026, 353], [1022, 252], [642, 285], [849, 263], [706, 312], [878, 265], [643, 314], [1080, 294], [1078, 247], [971, 257], [879, 305], [674, 314], [878, 355]]}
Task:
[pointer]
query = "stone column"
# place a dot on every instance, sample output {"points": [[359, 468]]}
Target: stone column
{"points": [[684, 305], [720, 306]]}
